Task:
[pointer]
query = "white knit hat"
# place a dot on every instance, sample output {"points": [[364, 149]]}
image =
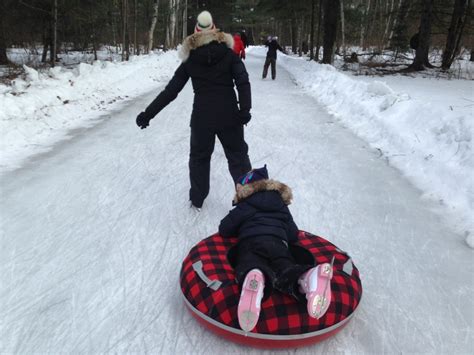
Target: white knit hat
{"points": [[204, 22]]}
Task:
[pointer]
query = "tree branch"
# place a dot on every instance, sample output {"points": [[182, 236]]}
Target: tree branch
{"points": [[34, 8]]}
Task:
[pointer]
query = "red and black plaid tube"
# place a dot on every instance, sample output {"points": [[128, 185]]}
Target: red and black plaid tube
{"points": [[280, 314]]}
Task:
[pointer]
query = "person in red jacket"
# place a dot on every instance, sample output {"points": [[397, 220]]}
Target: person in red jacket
{"points": [[239, 47]]}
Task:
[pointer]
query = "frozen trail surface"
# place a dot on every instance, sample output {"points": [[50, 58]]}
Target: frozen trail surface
{"points": [[94, 232]]}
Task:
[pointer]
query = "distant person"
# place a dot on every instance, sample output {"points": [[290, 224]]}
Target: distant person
{"points": [[208, 59], [415, 41], [244, 37], [273, 46], [239, 47]]}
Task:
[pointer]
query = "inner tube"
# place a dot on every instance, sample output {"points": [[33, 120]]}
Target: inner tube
{"points": [[211, 294]]}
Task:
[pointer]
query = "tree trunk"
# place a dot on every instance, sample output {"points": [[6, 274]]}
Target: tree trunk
{"points": [[154, 19], [93, 34], [311, 33], [171, 28], [55, 32], [398, 39], [318, 37], [3, 44], [343, 37], [364, 26], [421, 60], [46, 41], [455, 32], [185, 19], [299, 41], [294, 36], [331, 10], [114, 25], [177, 34], [387, 25], [136, 49], [125, 44], [371, 23]]}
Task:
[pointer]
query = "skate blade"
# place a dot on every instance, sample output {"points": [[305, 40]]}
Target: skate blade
{"points": [[248, 321], [319, 306]]}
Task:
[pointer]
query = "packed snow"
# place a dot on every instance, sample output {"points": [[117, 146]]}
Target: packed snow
{"points": [[44, 107], [94, 231], [422, 126]]}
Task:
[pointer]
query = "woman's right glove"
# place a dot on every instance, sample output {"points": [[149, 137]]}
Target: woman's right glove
{"points": [[244, 116], [143, 121]]}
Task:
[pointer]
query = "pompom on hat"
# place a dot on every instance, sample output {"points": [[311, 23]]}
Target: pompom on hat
{"points": [[254, 175], [204, 22]]}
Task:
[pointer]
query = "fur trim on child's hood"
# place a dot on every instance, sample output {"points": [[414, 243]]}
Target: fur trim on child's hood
{"points": [[247, 190]]}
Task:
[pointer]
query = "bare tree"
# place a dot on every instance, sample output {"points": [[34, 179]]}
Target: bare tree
{"points": [[453, 40], [125, 39], [311, 34], [421, 60], [154, 19], [54, 17], [185, 19], [3, 44], [364, 25], [320, 17], [294, 34], [171, 28], [136, 49], [331, 11], [389, 23], [343, 32], [398, 38]]}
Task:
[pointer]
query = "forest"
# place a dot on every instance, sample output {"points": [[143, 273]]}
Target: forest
{"points": [[316, 28]]}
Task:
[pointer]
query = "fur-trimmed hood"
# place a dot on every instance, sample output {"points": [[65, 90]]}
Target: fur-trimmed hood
{"points": [[200, 39], [248, 190]]}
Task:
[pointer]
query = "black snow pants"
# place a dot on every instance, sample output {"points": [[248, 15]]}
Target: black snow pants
{"points": [[268, 62], [202, 147], [271, 256]]}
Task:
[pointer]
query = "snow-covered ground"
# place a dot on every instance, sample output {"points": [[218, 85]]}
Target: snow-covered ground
{"points": [[44, 107], [422, 126], [93, 232], [32, 57]]}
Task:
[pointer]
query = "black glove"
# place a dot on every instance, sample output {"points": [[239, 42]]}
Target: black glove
{"points": [[143, 121], [244, 116]]}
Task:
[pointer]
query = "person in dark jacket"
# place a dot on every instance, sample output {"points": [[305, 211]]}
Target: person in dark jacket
{"points": [[244, 37], [273, 46], [265, 256], [208, 59]]}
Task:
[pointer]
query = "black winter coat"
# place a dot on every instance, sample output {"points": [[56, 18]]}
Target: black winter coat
{"points": [[208, 59], [273, 46], [261, 209]]}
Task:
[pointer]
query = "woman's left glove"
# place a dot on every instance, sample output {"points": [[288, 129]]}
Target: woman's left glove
{"points": [[143, 121]]}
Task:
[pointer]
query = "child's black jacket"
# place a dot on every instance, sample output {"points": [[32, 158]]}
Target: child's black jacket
{"points": [[261, 209]]}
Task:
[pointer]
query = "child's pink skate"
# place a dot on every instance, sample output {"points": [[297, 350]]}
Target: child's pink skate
{"points": [[316, 284], [251, 295]]}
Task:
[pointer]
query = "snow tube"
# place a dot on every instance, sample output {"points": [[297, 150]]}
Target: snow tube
{"points": [[211, 294]]}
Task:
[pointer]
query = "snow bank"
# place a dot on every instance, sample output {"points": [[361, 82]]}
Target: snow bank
{"points": [[424, 128], [42, 108]]}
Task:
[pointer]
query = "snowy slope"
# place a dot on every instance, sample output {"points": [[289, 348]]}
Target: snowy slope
{"points": [[38, 111], [93, 234]]}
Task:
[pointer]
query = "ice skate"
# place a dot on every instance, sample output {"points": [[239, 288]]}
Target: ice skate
{"points": [[194, 208], [251, 295], [316, 284]]}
